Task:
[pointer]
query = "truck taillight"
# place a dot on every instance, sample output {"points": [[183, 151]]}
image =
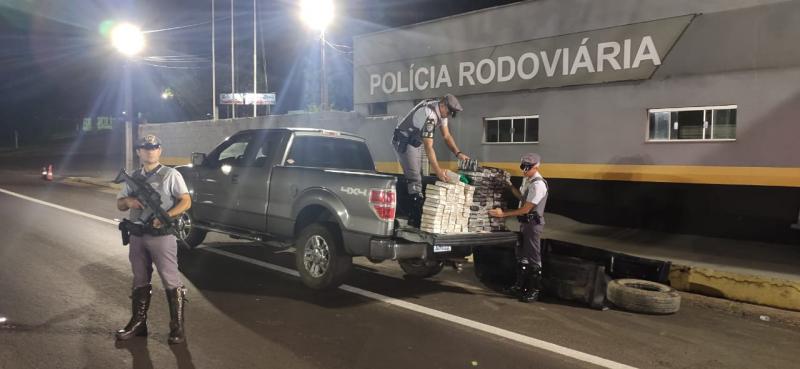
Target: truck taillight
{"points": [[383, 203]]}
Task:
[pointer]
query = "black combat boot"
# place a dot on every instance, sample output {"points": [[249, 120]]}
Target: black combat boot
{"points": [[533, 284], [137, 326], [515, 290], [176, 299], [415, 211]]}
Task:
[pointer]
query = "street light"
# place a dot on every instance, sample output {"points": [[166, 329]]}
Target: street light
{"points": [[317, 15], [128, 39]]}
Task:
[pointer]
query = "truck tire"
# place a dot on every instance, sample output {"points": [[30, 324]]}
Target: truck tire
{"points": [[320, 257], [643, 296], [192, 235], [419, 268]]}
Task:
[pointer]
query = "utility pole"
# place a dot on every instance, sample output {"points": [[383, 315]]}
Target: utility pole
{"points": [[16, 139], [130, 135], [255, 61], [233, 65], [214, 109], [323, 96]]}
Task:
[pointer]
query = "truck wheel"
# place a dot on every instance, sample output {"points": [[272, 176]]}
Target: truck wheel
{"points": [[643, 296], [320, 257], [420, 268], [192, 235]]}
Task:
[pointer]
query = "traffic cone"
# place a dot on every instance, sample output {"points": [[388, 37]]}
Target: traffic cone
{"points": [[49, 172]]}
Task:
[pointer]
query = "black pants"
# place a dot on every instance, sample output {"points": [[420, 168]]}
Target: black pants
{"points": [[529, 248]]}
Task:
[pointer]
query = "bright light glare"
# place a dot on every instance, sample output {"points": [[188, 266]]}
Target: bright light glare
{"points": [[316, 14], [127, 39]]}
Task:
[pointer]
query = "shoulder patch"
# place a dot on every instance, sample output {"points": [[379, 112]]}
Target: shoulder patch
{"points": [[428, 128]]}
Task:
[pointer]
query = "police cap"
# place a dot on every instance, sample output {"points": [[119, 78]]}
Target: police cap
{"points": [[452, 104], [149, 141], [530, 158]]}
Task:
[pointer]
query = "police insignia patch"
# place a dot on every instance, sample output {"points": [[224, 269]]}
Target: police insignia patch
{"points": [[428, 128]]}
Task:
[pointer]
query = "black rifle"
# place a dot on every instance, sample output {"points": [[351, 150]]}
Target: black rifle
{"points": [[150, 199]]}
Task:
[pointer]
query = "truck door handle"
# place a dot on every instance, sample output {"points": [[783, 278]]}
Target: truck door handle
{"points": [[235, 178]]}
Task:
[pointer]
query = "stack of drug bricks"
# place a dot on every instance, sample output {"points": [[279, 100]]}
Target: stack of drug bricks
{"points": [[489, 185], [446, 208]]}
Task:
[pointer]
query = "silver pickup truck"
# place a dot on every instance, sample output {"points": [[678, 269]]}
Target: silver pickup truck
{"points": [[318, 191]]}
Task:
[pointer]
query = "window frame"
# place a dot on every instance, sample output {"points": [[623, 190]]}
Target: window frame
{"points": [[704, 109], [511, 118], [371, 107]]}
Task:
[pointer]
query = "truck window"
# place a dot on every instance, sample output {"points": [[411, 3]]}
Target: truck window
{"points": [[266, 149], [231, 152], [331, 152]]}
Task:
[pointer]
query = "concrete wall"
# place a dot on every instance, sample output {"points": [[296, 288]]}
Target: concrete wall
{"points": [[180, 139]]}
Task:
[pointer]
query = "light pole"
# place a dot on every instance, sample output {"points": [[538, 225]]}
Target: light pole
{"points": [[214, 109], [129, 41], [317, 15]]}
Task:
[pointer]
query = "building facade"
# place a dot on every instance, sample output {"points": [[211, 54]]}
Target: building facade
{"points": [[679, 115]]}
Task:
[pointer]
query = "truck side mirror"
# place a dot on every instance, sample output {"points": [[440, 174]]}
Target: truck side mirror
{"points": [[198, 158]]}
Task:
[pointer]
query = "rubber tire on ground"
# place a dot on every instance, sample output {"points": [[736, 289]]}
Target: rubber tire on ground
{"points": [[339, 263], [643, 296], [195, 236], [419, 268]]}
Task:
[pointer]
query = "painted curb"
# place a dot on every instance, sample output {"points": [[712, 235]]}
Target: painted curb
{"points": [[774, 292]]}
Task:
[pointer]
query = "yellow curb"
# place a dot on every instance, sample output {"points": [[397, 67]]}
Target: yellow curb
{"points": [[775, 292]]}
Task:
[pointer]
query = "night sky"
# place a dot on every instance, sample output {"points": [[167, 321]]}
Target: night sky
{"points": [[57, 66]]}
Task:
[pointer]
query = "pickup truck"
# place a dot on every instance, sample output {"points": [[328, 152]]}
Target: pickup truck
{"points": [[318, 191]]}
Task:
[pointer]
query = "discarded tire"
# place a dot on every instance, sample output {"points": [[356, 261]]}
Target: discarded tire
{"points": [[643, 296]]}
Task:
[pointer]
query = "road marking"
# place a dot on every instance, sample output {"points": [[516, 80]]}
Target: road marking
{"points": [[59, 207], [500, 332]]}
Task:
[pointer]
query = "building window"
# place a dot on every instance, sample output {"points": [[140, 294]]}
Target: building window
{"points": [[378, 108], [523, 129], [696, 124]]}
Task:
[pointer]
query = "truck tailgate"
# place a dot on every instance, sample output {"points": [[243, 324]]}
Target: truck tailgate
{"points": [[504, 238]]}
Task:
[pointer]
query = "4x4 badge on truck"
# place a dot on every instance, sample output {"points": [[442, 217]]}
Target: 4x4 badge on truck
{"points": [[354, 191]]}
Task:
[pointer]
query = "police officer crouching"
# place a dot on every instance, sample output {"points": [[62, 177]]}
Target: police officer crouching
{"points": [[151, 244], [415, 131], [533, 196]]}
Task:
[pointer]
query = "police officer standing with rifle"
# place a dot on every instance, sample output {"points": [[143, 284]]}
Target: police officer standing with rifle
{"points": [[533, 198], [151, 235], [415, 130]]}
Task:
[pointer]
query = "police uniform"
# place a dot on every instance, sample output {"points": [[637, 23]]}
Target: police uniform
{"points": [[533, 191], [154, 246], [529, 248], [421, 122]]}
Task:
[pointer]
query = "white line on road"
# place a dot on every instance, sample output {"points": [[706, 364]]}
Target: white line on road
{"points": [[500, 332], [59, 207]]}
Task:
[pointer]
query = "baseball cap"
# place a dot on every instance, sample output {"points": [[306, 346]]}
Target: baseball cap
{"points": [[149, 141]]}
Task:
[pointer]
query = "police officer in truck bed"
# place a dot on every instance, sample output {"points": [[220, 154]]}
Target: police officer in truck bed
{"points": [[415, 130]]}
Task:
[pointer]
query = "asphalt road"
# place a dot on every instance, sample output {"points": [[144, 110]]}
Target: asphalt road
{"points": [[65, 280]]}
